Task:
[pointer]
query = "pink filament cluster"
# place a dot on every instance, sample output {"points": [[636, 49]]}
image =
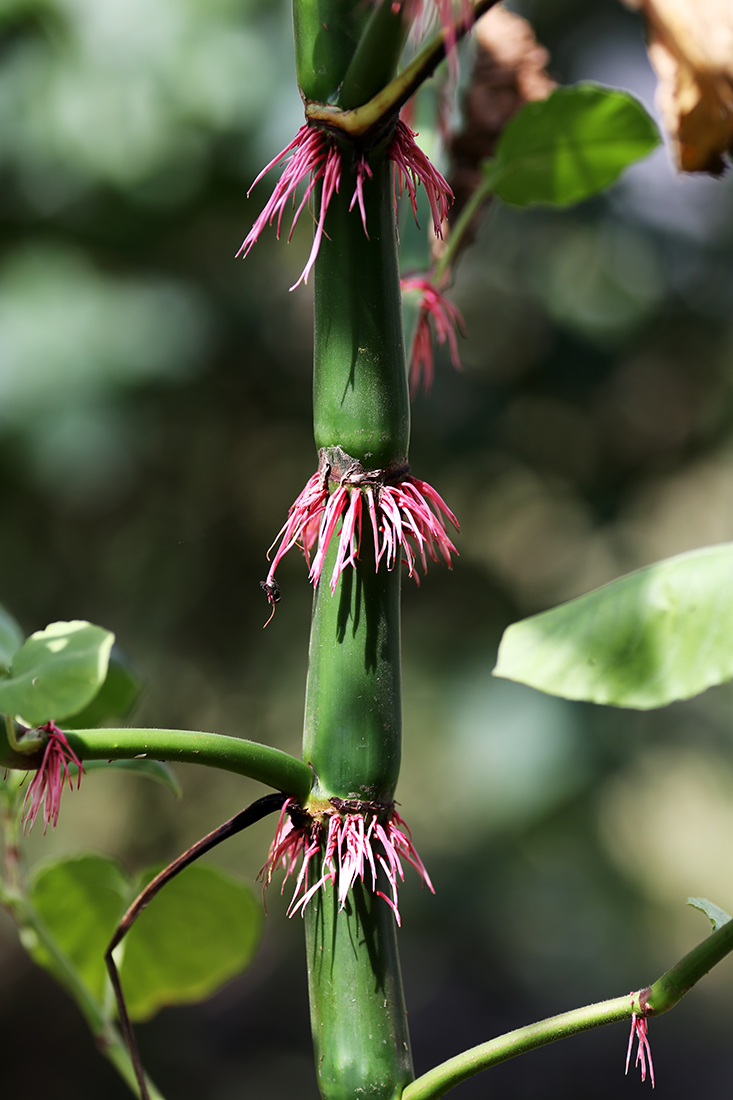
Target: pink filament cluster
{"points": [[445, 317], [354, 851], [407, 521], [411, 168], [643, 1050], [48, 782], [313, 156]]}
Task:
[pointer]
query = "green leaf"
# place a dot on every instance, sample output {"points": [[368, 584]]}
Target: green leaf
{"points": [[56, 672], [80, 900], [569, 146], [117, 697], [660, 634], [11, 638], [196, 934], [156, 770], [201, 930], [717, 916]]}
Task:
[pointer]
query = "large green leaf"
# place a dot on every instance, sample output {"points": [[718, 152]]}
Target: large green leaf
{"points": [[117, 697], [201, 930], [11, 638], [569, 146], [660, 634], [56, 672], [80, 900]]}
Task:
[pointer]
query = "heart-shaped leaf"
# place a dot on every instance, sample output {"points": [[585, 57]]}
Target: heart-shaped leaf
{"points": [[569, 146], [56, 672], [201, 930]]}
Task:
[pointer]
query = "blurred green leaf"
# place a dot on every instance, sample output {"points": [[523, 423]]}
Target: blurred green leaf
{"points": [[717, 916], [201, 930], [660, 634], [569, 146], [117, 697], [156, 770], [56, 672], [11, 638], [80, 900]]}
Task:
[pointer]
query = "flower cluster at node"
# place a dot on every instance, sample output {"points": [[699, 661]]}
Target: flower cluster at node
{"points": [[354, 846], [314, 156], [643, 1050], [407, 518], [48, 782], [445, 318]]}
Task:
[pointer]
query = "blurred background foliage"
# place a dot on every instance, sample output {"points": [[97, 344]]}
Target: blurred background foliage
{"points": [[154, 428]]}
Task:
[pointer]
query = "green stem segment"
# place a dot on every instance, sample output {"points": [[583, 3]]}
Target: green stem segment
{"points": [[267, 765], [664, 994]]}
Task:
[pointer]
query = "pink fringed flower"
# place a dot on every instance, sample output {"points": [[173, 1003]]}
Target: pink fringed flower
{"points": [[356, 846], [313, 157], [48, 782], [445, 318], [643, 1050], [407, 517], [412, 168]]}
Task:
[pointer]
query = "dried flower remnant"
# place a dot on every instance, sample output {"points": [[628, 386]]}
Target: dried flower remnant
{"points": [[690, 44], [508, 71], [445, 318], [643, 1050], [48, 783], [407, 518], [357, 844]]}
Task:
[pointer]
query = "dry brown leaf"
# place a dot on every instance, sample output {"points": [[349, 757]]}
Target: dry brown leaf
{"points": [[690, 45], [509, 71]]}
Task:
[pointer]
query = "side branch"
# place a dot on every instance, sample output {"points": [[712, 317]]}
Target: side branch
{"points": [[261, 762], [653, 1000], [372, 118]]}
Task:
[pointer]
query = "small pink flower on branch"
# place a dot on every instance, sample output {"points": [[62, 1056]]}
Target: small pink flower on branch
{"points": [[407, 516], [48, 783], [354, 845], [445, 317], [643, 1050], [411, 168]]}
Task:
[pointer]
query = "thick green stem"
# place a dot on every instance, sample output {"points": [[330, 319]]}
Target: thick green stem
{"points": [[358, 1016], [353, 723], [360, 397], [326, 36], [267, 765]]}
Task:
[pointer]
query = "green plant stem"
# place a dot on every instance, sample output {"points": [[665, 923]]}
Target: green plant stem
{"points": [[375, 115], [660, 997], [458, 229], [267, 765], [35, 935], [446, 1076]]}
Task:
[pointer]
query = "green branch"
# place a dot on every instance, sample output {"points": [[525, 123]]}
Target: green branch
{"points": [[370, 119], [660, 997], [261, 762]]}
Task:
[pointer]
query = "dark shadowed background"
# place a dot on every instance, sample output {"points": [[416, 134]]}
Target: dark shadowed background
{"points": [[155, 426]]}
